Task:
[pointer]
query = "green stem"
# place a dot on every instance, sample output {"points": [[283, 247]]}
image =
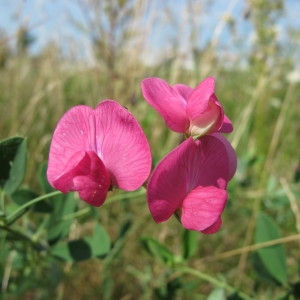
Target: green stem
{"points": [[20, 209], [21, 235], [127, 195], [213, 281], [76, 214], [36, 235], [2, 201]]}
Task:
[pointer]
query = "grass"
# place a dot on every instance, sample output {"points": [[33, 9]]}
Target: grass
{"points": [[264, 108]]}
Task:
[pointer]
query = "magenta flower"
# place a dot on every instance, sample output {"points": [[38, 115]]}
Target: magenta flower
{"points": [[191, 182], [93, 150], [194, 112]]}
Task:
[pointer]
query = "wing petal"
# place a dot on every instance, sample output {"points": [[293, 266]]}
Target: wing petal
{"points": [[72, 134], [203, 207]]}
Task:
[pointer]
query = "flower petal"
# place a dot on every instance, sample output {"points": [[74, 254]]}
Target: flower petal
{"points": [[231, 155], [209, 164], [167, 186], [161, 209], [183, 90], [191, 164], [167, 101], [202, 207], [122, 145], [73, 133], [214, 227], [226, 126], [199, 98], [86, 174], [208, 121]]}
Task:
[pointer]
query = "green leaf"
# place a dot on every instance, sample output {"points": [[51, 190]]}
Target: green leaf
{"points": [[273, 257], [13, 154], [158, 250], [20, 197], [23, 195], [59, 224], [189, 242], [217, 294], [263, 276], [99, 241], [46, 187], [97, 245], [72, 251]]}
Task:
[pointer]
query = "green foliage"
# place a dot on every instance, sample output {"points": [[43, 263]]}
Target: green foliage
{"points": [[158, 250], [13, 155], [97, 245], [45, 237], [217, 294], [272, 257], [189, 243], [58, 225]]}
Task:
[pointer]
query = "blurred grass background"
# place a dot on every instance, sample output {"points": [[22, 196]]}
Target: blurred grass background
{"points": [[258, 83]]}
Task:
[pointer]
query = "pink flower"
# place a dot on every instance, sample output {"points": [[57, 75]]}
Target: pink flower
{"points": [[95, 149], [195, 112], [191, 182]]}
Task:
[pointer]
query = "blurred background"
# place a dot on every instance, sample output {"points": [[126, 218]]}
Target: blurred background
{"points": [[57, 54]]}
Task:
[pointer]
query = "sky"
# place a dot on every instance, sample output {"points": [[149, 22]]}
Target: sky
{"points": [[50, 20]]}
